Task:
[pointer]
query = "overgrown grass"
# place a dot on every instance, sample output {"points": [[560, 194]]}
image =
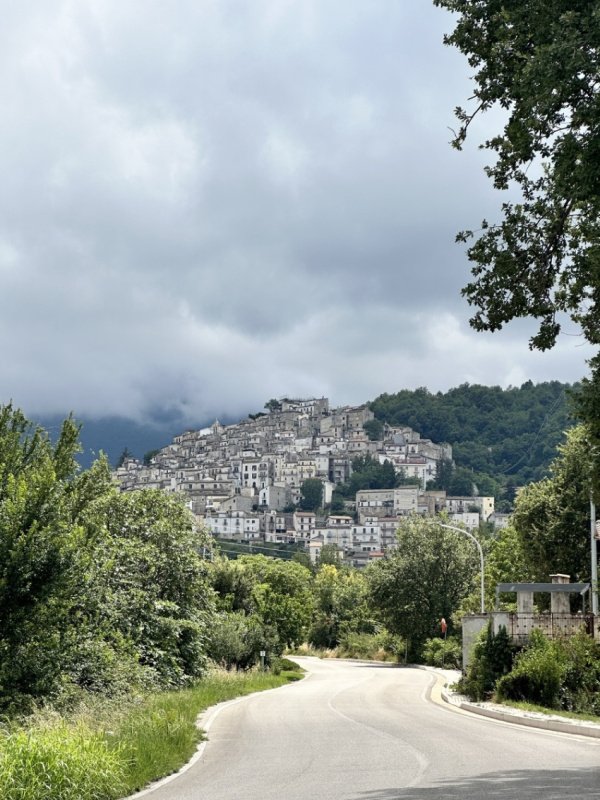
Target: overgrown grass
{"points": [[364, 650], [103, 751], [551, 711], [160, 735]]}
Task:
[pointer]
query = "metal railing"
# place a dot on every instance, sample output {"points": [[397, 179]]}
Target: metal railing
{"points": [[553, 626]]}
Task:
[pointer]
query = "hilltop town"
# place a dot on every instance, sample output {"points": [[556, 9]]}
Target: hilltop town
{"points": [[243, 481]]}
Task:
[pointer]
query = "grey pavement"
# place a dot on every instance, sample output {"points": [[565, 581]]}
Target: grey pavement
{"points": [[359, 731]]}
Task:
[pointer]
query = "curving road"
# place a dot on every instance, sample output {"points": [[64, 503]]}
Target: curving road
{"points": [[355, 731]]}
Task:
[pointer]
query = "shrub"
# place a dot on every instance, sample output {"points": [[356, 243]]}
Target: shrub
{"points": [[492, 658], [537, 674], [580, 690], [381, 646], [280, 664], [236, 640], [443, 652]]}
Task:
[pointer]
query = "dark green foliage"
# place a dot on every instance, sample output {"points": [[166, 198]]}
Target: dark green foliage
{"points": [[236, 640], [329, 554], [123, 457], [492, 658], [587, 402], [424, 579], [501, 438], [560, 673], [580, 690], [149, 456], [278, 593], [552, 517], [149, 582], [367, 473], [311, 491], [374, 429], [340, 606], [539, 62]]}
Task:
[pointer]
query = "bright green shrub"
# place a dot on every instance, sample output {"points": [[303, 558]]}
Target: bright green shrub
{"points": [[537, 674], [580, 690], [443, 652]]}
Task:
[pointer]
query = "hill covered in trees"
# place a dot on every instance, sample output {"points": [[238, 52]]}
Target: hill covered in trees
{"points": [[501, 438]]}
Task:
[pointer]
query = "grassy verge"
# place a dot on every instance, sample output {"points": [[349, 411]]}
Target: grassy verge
{"points": [[551, 711], [107, 751]]}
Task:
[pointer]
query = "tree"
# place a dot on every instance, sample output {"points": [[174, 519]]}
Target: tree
{"points": [[147, 594], [281, 595], [423, 579], [273, 405], [311, 491], [123, 457], [42, 552], [374, 429], [147, 456], [340, 605], [539, 62], [552, 516]]}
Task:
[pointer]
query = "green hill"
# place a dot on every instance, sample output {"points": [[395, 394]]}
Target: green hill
{"points": [[503, 437]]}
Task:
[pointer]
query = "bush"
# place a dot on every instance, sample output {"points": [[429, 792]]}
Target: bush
{"points": [[236, 641], [537, 674], [492, 658], [443, 653], [279, 664], [381, 646], [580, 690]]}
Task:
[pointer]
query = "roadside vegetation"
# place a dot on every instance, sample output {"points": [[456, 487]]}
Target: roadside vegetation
{"points": [[557, 675], [104, 750]]}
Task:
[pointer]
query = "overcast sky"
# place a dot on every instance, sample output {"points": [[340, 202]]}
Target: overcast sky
{"points": [[208, 203]]}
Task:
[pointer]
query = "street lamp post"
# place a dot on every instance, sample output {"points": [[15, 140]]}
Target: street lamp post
{"points": [[594, 555], [470, 535]]}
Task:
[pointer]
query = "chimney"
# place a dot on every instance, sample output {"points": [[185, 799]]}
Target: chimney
{"points": [[559, 601]]}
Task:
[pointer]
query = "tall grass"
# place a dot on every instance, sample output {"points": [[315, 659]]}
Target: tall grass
{"points": [[103, 752], [66, 762]]}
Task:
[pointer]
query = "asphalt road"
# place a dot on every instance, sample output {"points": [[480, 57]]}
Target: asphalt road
{"points": [[353, 731]]}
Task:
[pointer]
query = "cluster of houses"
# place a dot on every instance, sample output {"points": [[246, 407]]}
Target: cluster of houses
{"points": [[243, 480]]}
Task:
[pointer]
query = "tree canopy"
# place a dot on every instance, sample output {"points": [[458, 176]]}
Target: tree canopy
{"points": [[501, 438], [311, 491], [98, 590], [539, 62], [422, 580]]}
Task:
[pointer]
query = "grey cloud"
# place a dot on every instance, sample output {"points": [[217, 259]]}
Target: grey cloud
{"points": [[212, 204]]}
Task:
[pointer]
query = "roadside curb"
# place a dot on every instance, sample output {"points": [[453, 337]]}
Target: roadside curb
{"points": [[517, 717]]}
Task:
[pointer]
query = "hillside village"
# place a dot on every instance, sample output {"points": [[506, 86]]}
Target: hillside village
{"points": [[242, 480]]}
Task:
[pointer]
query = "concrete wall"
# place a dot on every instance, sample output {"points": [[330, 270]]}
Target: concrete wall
{"points": [[471, 626]]}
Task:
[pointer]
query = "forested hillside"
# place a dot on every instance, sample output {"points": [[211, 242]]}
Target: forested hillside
{"points": [[503, 437]]}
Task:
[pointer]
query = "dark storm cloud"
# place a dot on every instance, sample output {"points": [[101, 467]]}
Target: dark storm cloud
{"points": [[208, 204]]}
